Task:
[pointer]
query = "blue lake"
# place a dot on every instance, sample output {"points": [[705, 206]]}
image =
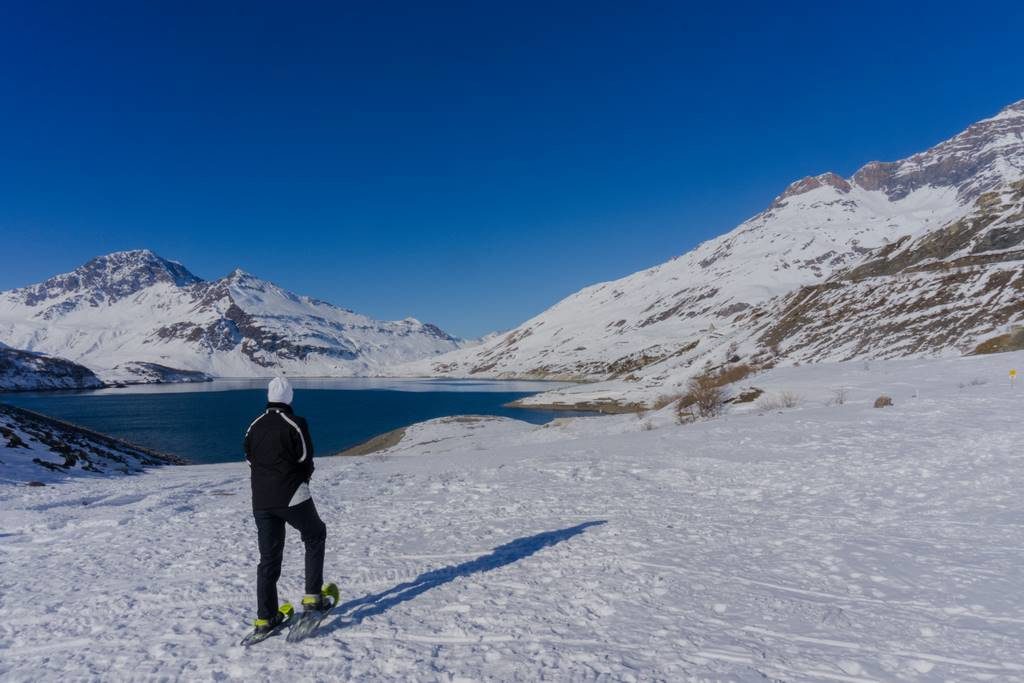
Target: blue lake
{"points": [[205, 422]]}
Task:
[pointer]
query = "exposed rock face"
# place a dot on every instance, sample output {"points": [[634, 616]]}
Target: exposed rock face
{"points": [[976, 161], [876, 175], [137, 310], [105, 279], [943, 291], [812, 183]]}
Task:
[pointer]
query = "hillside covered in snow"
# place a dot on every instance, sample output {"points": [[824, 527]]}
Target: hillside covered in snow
{"points": [[42, 449], [917, 257], [134, 316], [24, 370], [828, 541]]}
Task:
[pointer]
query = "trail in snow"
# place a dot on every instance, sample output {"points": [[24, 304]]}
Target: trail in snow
{"points": [[823, 543]]}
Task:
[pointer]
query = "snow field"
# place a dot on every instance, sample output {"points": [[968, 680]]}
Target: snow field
{"points": [[831, 543]]}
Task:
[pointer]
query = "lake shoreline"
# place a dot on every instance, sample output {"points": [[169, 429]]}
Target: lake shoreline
{"points": [[133, 387], [108, 440], [204, 423]]}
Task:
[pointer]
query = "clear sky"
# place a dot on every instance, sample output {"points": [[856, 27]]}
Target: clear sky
{"points": [[469, 164]]}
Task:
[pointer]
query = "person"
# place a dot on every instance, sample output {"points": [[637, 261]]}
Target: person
{"points": [[280, 455]]}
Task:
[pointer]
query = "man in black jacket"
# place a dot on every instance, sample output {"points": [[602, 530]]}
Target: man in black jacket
{"points": [[280, 455]]}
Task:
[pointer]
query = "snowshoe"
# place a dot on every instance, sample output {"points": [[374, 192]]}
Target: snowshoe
{"points": [[315, 608], [264, 628]]}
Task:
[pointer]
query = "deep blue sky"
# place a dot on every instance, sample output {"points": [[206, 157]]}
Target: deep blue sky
{"points": [[468, 165]]}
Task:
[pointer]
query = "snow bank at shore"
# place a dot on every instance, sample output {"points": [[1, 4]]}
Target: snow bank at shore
{"points": [[41, 449]]}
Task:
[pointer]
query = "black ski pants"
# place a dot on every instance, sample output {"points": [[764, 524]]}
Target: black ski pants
{"points": [[270, 531]]}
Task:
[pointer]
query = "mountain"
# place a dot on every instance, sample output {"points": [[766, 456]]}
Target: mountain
{"points": [[919, 256], [133, 315], [958, 289], [27, 371]]}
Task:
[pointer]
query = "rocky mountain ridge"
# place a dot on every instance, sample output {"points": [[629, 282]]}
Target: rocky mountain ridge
{"points": [[27, 371], [947, 218], [134, 309]]}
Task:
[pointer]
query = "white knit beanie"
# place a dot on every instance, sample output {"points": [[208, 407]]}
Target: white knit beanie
{"points": [[279, 391]]}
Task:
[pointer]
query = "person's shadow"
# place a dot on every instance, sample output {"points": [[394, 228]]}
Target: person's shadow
{"points": [[355, 611]]}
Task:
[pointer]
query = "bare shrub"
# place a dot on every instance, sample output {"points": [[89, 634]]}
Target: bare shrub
{"points": [[790, 399], [704, 399], [748, 396], [736, 372], [706, 394], [839, 396], [783, 399], [663, 401], [883, 401], [685, 414]]}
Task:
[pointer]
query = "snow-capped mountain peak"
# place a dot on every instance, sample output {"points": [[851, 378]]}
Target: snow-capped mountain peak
{"points": [[136, 307], [1015, 110], [809, 183], [985, 156], [239, 275], [103, 280]]}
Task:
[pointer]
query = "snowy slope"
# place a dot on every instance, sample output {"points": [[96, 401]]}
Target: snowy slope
{"points": [[951, 291], [35, 447], [23, 370], [714, 302], [948, 291], [135, 307], [841, 543]]}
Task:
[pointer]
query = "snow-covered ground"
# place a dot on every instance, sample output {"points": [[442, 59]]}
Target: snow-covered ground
{"points": [[38, 448], [822, 542]]}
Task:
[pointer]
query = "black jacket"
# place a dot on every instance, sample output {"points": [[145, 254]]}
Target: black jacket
{"points": [[280, 455]]}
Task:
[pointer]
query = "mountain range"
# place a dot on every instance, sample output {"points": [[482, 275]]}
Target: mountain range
{"points": [[921, 256], [133, 316]]}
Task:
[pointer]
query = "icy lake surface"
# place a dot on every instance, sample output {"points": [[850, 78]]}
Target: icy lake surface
{"points": [[205, 422]]}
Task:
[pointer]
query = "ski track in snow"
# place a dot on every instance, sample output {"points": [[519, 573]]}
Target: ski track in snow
{"points": [[824, 543]]}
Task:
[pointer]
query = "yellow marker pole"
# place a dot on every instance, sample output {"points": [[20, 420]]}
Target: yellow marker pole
{"points": [[1013, 376]]}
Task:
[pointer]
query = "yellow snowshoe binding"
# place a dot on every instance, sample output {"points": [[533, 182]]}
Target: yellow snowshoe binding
{"points": [[327, 599], [284, 612]]}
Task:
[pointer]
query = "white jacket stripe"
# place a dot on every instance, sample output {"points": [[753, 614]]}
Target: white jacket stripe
{"points": [[253, 423], [302, 437]]}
